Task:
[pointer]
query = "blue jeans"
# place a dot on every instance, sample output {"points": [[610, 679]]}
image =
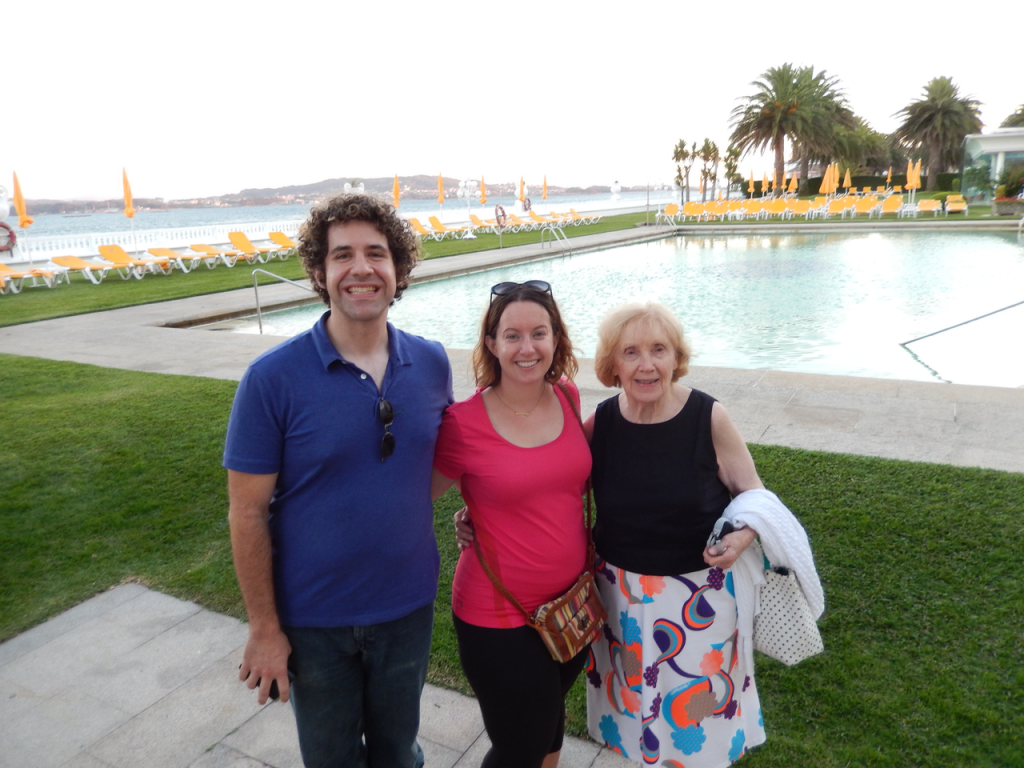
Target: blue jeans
{"points": [[356, 691]]}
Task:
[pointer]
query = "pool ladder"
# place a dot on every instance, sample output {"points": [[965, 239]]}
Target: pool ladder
{"points": [[556, 234], [256, 290]]}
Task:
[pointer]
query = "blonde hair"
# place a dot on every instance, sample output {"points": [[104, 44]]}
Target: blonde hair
{"points": [[651, 319]]}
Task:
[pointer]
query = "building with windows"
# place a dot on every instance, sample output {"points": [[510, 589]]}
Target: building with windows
{"points": [[986, 157]]}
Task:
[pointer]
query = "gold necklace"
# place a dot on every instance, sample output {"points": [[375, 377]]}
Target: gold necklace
{"points": [[520, 413]]}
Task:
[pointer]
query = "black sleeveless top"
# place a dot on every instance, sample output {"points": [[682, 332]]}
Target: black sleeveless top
{"points": [[656, 488]]}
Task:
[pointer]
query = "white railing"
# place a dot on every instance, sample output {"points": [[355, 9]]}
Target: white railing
{"points": [[43, 248]]}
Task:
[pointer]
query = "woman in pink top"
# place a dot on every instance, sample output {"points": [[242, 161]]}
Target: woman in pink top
{"points": [[521, 460]]}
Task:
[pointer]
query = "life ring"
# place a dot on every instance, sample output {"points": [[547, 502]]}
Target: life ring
{"points": [[499, 215], [527, 205], [12, 238]]}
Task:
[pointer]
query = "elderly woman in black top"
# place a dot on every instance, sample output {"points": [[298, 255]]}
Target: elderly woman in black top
{"points": [[666, 685]]}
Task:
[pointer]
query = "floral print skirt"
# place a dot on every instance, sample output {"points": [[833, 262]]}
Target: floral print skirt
{"points": [[665, 684]]}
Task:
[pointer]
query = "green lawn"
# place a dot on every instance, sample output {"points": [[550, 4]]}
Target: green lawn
{"points": [[109, 476]]}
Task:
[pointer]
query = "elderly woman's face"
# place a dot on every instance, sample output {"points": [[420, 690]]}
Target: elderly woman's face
{"points": [[644, 364]]}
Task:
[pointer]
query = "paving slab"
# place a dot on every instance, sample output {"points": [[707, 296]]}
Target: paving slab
{"points": [[269, 736], [184, 724]]}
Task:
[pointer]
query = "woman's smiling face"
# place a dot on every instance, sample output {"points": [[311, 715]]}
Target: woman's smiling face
{"points": [[523, 343], [644, 364]]}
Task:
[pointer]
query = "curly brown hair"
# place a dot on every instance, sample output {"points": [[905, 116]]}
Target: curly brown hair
{"points": [[402, 241], [487, 368]]}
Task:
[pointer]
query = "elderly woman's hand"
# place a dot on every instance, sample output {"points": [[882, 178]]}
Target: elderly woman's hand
{"points": [[464, 533], [732, 546]]}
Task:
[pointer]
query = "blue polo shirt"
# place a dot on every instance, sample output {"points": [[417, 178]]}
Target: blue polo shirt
{"points": [[353, 537]]}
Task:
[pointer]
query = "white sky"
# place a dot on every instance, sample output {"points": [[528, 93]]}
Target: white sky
{"points": [[207, 98]]}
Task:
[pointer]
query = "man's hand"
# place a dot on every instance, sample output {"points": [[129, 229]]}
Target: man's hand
{"points": [[266, 660]]}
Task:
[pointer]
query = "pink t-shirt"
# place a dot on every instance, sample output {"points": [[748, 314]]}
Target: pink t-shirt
{"points": [[526, 508]]}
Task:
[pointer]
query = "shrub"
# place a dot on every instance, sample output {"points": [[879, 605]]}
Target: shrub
{"points": [[1012, 179]]}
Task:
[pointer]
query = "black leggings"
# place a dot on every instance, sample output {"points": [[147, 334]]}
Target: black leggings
{"points": [[521, 691]]}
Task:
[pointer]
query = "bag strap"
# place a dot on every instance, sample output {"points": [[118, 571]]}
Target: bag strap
{"points": [[590, 536]]}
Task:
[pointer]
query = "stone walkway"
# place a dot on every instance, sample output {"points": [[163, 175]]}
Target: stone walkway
{"points": [[137, 679]]}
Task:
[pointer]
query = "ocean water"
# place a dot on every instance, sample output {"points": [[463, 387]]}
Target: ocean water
{"points": [[47, 225]]}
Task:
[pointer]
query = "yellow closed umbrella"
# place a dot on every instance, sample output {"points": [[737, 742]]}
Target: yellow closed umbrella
{"points": [[522, 197], [910, 174], [774, 181], [792, 183], [440, 189], [719, 195], [395, 193], [823, 187], [545, 195], [483, 192], [129, 211], [846, 180], [764, 184], [702, 187], [784, 182], [750, 186], [24, 220], [917, 175], [888, 179]]}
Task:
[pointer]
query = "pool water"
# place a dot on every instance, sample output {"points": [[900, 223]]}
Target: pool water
{"points": [[828, 303]]}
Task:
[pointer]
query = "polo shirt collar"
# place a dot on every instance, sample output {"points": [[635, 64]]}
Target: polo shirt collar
{"points": [[398, 353]]}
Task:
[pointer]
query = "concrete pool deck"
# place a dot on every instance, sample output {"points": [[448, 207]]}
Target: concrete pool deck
{"points": [[136, 678]]}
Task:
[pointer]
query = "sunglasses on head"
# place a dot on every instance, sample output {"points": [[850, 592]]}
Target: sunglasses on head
{"points": [[387, 415], [503, 289]]}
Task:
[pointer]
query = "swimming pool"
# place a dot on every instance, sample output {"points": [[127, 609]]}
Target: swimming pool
{"points": [[813, 303]]}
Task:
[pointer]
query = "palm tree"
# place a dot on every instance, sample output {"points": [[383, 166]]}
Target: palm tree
{"points": [[709, 157], [1016, 120], [791, 102], [684, 159], [732, 164], [939, 122]]}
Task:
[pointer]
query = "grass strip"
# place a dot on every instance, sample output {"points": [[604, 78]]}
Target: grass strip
{"points": [[108, 476]]}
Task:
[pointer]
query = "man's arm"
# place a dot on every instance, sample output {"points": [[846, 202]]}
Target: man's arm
{"points": [[266, 652]]}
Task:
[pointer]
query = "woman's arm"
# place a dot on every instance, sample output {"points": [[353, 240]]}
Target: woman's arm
{"points": [[439, 484], [737, 472]]}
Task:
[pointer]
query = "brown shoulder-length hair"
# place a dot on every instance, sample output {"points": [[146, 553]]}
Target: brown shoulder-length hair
{"points": [[402, 241], [487, 368], [651, 319]]}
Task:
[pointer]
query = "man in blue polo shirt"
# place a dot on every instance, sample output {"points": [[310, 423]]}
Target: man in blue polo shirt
{"points": [[329, 453]]}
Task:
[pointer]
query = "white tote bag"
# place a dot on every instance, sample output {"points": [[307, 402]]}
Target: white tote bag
{"points": [[785, 628]]}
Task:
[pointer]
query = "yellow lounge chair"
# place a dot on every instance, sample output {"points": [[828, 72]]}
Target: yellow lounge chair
{"points": [[956, 204], [834, 207], [891, 204], [864, 205], [452, 232], [288, 246], [577, 218], [183, 261], [13, 280], [90, 270], [422, 231], [489, 224], [228, 258], [542, 220], [667, 216], [518, 225], [260, 253], [128, 266]]}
